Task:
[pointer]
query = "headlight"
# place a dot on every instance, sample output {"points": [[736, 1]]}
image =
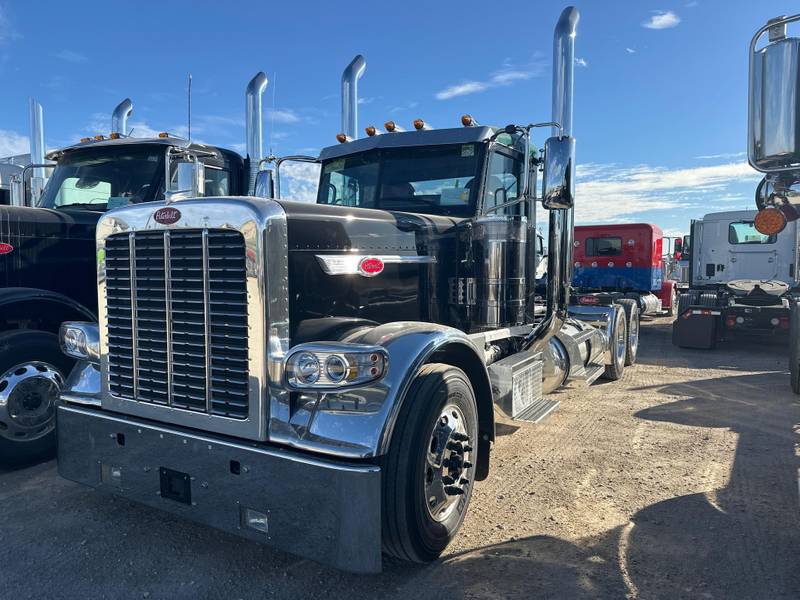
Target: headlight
{"points": [[333, 365], [80, 340]]}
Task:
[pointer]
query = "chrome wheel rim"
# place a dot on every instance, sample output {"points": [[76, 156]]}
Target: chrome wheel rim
{"points": [[28, 392], [621, 342], [633, 334], [447, 468]]}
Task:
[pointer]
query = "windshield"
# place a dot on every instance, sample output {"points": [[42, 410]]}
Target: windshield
{"points": [[104, 178], [433, 180]]}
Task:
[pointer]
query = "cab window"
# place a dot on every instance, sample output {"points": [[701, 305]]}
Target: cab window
{"points": [[503, 184], [217, 182], [745, 232], [606, 246]]}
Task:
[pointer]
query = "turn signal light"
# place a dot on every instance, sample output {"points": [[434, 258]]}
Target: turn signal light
{"points": [[163, 134], [770, 221], [370, 130], [341, 138], [114, 136], [99, 137], [467, 121]]}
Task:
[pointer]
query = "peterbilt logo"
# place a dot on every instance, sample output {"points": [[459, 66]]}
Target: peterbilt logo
{"points": [[167, 215], [6, 248]]}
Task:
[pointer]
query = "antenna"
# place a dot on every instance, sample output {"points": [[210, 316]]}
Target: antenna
{"points": [[272, 112], [190, 107]]}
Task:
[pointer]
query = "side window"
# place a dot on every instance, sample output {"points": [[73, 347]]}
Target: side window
{"points": [[217, 182], [745, 232], [502, 183], [343, 190]]}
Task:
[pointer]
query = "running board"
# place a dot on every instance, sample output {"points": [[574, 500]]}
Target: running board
{"points": [[537, 411], [586, 375]]}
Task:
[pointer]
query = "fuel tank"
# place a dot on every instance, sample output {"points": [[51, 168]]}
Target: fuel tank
{"points": [[50, 249]]}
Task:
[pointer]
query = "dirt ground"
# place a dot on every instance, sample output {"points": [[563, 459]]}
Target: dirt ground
{"points": [[680, 481]]}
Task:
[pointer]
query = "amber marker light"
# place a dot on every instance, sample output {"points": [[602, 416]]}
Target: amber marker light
{"points": [[390, 126], [467, 120], [370, 130], [770, 221], [98, 138], [419, 124], [341, 138], [163, 134], [114, 136], [85, 139]]}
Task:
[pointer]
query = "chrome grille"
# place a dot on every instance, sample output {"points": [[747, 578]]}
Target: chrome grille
{"points": [[176, 307]]}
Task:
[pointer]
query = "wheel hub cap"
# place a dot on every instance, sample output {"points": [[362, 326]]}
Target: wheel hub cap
{"points": [[28, 393], [447, 466]]}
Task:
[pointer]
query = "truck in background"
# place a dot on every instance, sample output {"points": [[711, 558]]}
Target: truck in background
{"points": [[773, 148], [323, 377], [742, 282], [623, 264], [48, 258]]}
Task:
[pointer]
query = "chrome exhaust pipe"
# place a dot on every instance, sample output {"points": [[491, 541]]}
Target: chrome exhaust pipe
{"points": [[255, 131], [119, 118], [39, 177], [561, 234], [350, 78]]}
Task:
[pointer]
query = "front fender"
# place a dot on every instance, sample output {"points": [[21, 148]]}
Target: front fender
{"points": [[358, 422], [52, 308]]}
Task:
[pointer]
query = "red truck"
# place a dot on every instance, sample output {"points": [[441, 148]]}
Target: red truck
{"points": [[623, 261]]}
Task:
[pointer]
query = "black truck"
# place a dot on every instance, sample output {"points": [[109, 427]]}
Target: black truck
{"points": [[323, 377], [48, 258]]}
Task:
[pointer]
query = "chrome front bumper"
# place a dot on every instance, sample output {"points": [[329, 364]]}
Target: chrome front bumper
{"points": [[325, 510]]}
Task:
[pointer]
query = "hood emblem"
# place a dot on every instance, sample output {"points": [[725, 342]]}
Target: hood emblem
{"points": [[6, 248], [167, 215]]}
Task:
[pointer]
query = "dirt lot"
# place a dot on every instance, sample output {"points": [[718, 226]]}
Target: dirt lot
{"points": [[681, 481]]}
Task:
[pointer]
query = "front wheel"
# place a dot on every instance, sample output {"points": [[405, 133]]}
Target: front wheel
{"points": [[32, 370], [428, 471]]}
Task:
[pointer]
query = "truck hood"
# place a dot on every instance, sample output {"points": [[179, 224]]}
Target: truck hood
{"points": [[18, 223]]}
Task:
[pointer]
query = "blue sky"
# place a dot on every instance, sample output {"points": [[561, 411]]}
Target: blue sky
{"points": [[660, 104]]}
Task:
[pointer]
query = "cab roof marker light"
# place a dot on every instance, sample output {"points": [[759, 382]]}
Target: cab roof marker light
{"points": [[99, 138], [342, 138], [392, 127], [468, 121], [421, 125], [86, 139], [163, 134], [371, 131]]}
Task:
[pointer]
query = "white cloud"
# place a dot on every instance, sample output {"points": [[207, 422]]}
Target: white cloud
{"points": [[12, 143], [662, 20], [507, 75], [7, 31], [723, 155], [461, 89], [299, 181], [611, 193], [282, 116], [71, 56], [691, 4], [404, 107], [581, 62], [630, 50]]}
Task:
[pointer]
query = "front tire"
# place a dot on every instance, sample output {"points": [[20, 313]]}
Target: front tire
{"points": [[429, 471], [32, 371], [673, 303]]}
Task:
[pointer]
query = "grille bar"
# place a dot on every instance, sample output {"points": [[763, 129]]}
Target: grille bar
{"points": [[177, 320]]}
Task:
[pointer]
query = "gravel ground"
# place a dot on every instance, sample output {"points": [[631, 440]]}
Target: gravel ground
{"points": [[680, 481]]}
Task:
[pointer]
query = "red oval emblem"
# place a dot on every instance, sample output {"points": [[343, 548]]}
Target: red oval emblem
{"points": [[167, 215], [6, 248], [589, 300], [370, 266]]}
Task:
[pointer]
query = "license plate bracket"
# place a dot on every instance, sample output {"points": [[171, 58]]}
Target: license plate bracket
{"points": [[175, 485]]}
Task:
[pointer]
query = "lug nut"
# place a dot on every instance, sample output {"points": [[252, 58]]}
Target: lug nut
{"points": [[447, 480], [463, 481], [460, 437], [468, 448], [452, 490], [455, 446], [467, 464]]}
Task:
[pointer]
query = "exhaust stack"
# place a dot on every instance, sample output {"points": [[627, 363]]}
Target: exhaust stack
{"points": [[119, 118], [255, 132], [39, 177], [350, 78]]}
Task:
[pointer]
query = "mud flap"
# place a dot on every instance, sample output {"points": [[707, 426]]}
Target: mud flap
{"points": [[696, 328]]}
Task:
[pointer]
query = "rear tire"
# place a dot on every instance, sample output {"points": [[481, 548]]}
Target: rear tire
{"points": [[618, 345], [673, 304], [27, 417], [633, 318], [428, 460], [794, 348]]}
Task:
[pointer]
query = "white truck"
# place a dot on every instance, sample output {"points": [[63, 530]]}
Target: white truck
{"points": [[741, 281]]}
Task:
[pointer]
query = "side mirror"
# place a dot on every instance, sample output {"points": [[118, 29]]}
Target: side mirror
{"points": [[188, 180], [558, 181], [265, 184], [17, 191]]}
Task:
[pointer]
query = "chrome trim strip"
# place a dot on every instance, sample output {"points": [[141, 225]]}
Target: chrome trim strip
{"points": [[168, 313], [347, 264], [134, 313], [206, 320]]}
